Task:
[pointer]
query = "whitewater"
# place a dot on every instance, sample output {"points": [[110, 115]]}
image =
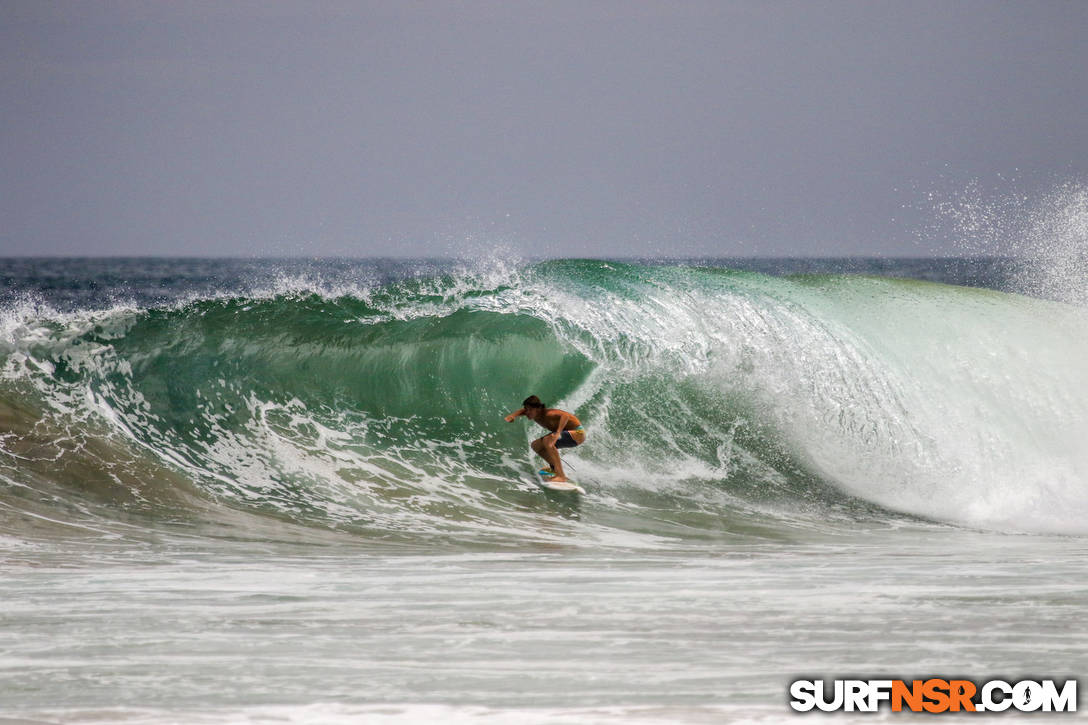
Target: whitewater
{"points": [[245, 491]]}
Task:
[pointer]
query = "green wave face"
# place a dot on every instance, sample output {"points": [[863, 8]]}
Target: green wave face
{"points": [[718, 403]]}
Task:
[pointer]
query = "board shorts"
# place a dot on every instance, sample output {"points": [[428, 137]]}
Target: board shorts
{"points": [[571, 438]]}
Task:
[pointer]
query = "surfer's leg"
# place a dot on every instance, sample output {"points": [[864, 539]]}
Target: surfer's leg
{"points": [[546, 450]]}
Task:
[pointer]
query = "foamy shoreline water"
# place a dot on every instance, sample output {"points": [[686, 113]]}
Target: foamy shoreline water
{"points": [[571, 637]]}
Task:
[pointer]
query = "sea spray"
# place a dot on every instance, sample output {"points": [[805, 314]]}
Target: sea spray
{"points": [[1044, 232]]}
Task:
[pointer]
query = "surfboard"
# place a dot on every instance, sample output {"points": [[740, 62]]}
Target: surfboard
{"points": [[543, 480]]}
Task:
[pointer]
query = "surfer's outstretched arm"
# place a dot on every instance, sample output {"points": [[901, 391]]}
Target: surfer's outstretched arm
{"points": [[515, 414]]}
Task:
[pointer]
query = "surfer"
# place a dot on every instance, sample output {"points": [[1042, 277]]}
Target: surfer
{"points": [[566, 432]]}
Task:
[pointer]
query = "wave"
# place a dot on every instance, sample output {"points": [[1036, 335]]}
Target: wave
{"points": [[719, 403]]}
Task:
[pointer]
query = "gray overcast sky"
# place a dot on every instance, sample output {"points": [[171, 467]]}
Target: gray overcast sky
{"points": [[547, 128]]}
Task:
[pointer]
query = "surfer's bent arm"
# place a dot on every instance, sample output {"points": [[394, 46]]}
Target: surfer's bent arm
{"points": [[515, 414], [564, 416]]}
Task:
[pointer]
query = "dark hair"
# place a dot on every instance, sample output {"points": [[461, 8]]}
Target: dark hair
{"points": [[533, 402]]}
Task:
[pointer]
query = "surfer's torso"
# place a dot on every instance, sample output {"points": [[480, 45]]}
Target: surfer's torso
{"points": [[551, 417]]}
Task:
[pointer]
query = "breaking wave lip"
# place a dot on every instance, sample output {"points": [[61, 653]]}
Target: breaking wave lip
{"points": [[719, 403]]}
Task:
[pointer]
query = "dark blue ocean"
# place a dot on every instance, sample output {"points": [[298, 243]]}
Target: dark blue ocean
{"points": [[73, 282]]}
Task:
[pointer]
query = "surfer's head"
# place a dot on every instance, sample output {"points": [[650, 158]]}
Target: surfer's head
{"points": [[533, 407]]}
